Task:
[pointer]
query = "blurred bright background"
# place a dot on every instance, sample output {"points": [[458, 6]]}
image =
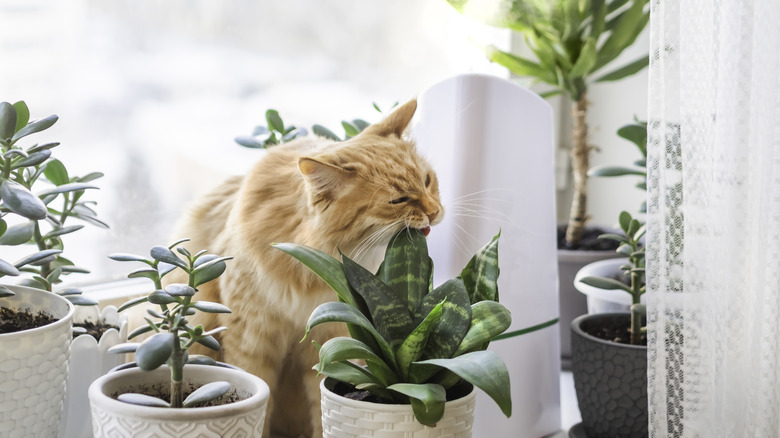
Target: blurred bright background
{"points": [[152, 93]]}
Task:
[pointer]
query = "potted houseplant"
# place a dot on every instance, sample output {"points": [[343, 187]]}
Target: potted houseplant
{"points": [[151, 400], [60, 198], [421, 346], [574, 43], [609, 350]]}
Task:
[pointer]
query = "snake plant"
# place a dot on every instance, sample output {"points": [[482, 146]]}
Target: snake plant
{"points": [[416, 341]]}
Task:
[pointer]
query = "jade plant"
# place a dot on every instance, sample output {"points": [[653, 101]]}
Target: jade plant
{"points": [[574, 42], [636, 133], [417, 342], [173, 335], [275, 132], [38, 200], [634, 270]]}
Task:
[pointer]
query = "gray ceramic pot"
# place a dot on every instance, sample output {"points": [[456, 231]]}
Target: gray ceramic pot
{"points": [[610, 380]]}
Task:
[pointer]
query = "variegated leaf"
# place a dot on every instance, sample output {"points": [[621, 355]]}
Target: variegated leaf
{"points": [[454, 322], [414, 344], [488, 319], [407, 267]]}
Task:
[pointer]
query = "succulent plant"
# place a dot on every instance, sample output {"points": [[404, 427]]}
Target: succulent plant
{"points": [[173, 335], [416, 341], [631, 247], [43, 216]]}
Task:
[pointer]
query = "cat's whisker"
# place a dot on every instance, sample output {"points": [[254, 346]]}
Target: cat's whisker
{"points": [[462, 246], [473, 194], [372, 240]]}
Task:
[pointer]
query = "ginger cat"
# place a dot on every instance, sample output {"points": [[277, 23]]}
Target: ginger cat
{"points": [[350, 196]]}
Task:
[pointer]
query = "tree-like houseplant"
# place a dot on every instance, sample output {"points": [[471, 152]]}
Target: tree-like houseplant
{"points": [[609, 350], [222, 400], [421, 346], [575, 44]]}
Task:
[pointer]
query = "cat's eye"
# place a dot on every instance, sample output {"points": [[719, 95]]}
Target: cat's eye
{"points": [[427, 180], [400, 200]]}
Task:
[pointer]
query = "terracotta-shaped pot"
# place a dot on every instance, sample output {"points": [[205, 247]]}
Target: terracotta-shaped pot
{"points": [[34, 366], [116, 419], [610, 380], [89, 359], [347, 418]]}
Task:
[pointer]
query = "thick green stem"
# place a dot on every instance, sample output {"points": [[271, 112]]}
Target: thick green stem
{"points": [[580, 161], [177, 372], [636, 295]]}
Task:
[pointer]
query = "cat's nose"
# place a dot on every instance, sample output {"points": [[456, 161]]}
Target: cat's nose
{"points": [[432, 216]]}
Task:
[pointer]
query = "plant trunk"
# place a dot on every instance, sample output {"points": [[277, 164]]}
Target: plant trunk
{"points": [[580, 161]]}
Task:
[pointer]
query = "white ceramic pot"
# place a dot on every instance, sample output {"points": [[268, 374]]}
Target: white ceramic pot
{"points": [[34, 367], [347, 418], [89, 359], [604, 300], [112, 418]]}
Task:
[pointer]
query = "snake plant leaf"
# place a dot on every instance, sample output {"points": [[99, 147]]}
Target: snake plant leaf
{"points": [[413, 346], [407, 267], [389, 312], [427, 400], [154, 351], [21, 201], [343, 312], [35, 126], [206, 393], [164, 254], [143, 400], [488, 319], [481, 273], [327, 268], [18, 234], [605, 283], [455, 318], [483, 369], [7, 121], [342, 349], [347, 372]]}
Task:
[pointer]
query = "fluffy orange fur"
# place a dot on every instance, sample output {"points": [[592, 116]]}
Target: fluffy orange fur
{"points": [[350, 196]]}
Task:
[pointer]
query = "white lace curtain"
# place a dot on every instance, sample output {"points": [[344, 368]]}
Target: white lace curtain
{"points": [[714, 219]]}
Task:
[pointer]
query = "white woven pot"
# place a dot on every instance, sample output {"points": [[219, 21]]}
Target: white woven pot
{"points": [[89, 359], [115, 419], [34, 367], [346, 418]]}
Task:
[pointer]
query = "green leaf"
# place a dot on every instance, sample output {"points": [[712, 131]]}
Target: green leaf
{"points": [[164, 254], [143, 400], [180, 290], [62, 231], [636, 134], [7, 121], [325, 132], [481, 273], [90, 177], [33, 159], [21, 201], [124, 257], [124, 348], [274, 121], [66, 188], [35, 126], [349, 129], [18, 234], [206, 393], [360, 124], [455, 319], [343, 349], [520, 66], [407, 268], [586, 60], [161, 297], [82, 300], [628, 26], [209, 342], [22, 115], [483, 369], [624, 219], [155, 351], [56, 173], [131, 303], [488, 320], [389, 312], [37, 257], [209, 307], [43, 147], [149, 273], [8, 269], [343, 312], [427, 400], [610, 171], [625, 71], [598, 9], [249, 142], [413, 346], [210, 268], [605, 283], [616, 237]]}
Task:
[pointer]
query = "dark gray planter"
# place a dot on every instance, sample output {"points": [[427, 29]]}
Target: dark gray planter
{"points": [[571, 302], [610, 380]]}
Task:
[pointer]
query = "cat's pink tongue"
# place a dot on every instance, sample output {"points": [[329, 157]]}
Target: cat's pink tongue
{"points": [[425, 231]]}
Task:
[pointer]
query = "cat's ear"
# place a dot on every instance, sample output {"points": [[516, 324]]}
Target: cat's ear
{"points": [[322, 176], [396, 122]]}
